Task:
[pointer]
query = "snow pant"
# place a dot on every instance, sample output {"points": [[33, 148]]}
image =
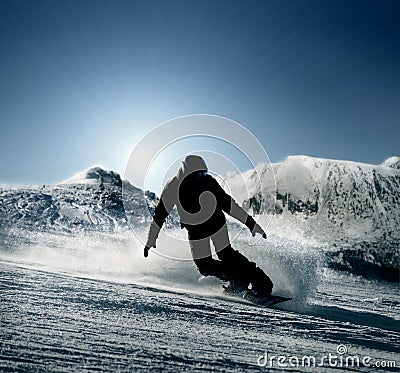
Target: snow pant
{"points": [[231, 265]]}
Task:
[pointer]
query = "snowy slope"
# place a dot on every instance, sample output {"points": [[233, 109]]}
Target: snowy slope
{"points": [[54, 321]]}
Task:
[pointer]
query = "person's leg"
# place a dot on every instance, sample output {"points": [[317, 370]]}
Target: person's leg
{"points": [[207, 266], [232, 259], [238, 267]]}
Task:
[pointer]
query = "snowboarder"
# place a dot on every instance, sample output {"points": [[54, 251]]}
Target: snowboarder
{"points": [[201, 203]]}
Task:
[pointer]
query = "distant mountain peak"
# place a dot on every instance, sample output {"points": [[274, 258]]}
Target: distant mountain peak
{"points": [[392, 162], [95, 175]]}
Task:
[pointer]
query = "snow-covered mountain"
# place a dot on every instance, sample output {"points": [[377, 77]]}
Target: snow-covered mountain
{"points": [[355, 200], [349, 208], [90, 200], [94, 175], [393, 162]]}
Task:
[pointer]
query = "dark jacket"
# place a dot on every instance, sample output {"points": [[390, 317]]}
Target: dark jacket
{"points": [[201, 203]]}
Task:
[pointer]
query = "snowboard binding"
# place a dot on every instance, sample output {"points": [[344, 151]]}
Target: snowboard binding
{"points": [[236, 288], [241, 290]]}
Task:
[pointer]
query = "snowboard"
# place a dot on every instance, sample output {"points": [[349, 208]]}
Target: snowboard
{"points": [[264, 301], [260, 301]]}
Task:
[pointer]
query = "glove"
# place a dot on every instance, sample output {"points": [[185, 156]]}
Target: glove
{"points": [[258, 229], [254, 227], [152, 235], [151, 238]]}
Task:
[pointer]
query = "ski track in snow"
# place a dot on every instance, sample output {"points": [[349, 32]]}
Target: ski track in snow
{"points": [[101, 306]]}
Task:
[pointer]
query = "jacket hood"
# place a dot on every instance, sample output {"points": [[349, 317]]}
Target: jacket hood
{"points": [[192, 163]]}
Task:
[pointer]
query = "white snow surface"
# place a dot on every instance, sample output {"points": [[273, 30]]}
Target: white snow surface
{"points": [[92, 302]]}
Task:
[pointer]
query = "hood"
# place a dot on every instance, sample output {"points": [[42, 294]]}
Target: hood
{"points": [[192, 163]]}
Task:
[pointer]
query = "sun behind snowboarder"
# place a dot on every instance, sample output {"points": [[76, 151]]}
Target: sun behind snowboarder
{"points": [[201, 203]]}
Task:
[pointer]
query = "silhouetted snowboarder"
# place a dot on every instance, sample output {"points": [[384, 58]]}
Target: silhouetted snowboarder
{"points": [[201, 203]]}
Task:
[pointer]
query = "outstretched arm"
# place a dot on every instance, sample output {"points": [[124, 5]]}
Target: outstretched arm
{"points": [[229, 205], [238, 213], [162, 210]]}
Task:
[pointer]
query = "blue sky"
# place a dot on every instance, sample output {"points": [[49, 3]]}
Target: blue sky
{"points": [[82, 81]]}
